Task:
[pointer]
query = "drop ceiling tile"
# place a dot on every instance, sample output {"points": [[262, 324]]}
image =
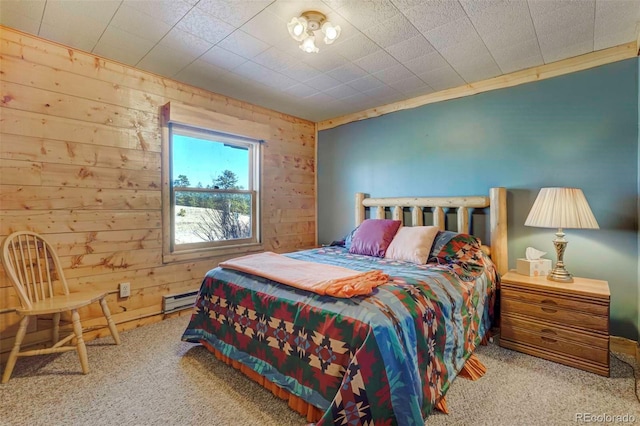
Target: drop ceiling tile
{"points": [[382, 95], [301, 90], [564, 17], [205, 26], [615, 22], [409, 85], [391, 31], [377, 61], [202, 74], [326, 61], [342, 91], [356, 99], [365, 83], [425, 90], [23, 15], [269, 28], [566, 42], [19, 22], [278, 80], [167, 11], [243, 44], [286, 10], [252, 71], [320, 98], [453, 33], [222, 58], [75, 26], [98, 12], [31, 9], [442, 78], [518, 56], [185, 43], [363, 14], [77, 34], [139, 23], [471, 60], [389, 75], [122, 46], [348, 72], [410, 48], [323, 82], [473, 8], [301, 72], [116, 53], [163, 61], [239, 87], [353, 48], [382, 91], [427, 62], [553, 54], [427, 16], [501, 23], [275, 59], [519, 62], [234, 12]]}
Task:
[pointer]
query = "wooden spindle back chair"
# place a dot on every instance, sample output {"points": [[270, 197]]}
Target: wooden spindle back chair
{"points": [[37, 276]]}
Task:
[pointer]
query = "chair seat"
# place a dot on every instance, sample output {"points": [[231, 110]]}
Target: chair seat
{"points": [[63, 303]]}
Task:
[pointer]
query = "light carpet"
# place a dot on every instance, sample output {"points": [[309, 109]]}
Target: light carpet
{"points": [[153, 378]]}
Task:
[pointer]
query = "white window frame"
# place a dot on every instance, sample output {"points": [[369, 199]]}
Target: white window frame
{"points": [[204, 124]]}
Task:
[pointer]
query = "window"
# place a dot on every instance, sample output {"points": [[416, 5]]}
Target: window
{"points": [[211, 190]]}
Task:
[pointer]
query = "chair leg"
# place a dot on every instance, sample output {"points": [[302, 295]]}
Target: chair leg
{"points": [[82, 350], [13, 357], [112, 325], [56, 328]]}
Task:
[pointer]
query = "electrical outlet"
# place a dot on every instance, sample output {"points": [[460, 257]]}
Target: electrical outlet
{"points": [[125, 289]]}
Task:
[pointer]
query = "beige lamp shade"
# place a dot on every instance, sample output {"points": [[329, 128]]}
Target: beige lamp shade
{"points": [[561, 208]]}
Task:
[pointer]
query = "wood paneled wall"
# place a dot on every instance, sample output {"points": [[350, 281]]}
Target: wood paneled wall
{"points": [[80, 153]]}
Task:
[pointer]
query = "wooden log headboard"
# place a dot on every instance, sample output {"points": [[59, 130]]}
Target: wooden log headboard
{"points": [[496, 202]]}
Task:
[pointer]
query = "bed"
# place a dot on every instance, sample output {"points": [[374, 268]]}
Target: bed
{"points": [[384, 358]]}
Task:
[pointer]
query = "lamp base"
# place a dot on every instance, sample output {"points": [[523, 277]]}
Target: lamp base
{"points": [[560, 274]]}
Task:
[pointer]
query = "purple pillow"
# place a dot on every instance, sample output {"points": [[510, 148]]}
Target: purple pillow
{"points": [[373, 236]]}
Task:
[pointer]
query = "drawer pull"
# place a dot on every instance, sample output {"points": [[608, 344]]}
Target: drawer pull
{"points": [[548, 331], [549, 302], [548, 339]]}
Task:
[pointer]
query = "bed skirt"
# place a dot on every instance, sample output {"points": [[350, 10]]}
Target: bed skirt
{"points": [[473, 369]]}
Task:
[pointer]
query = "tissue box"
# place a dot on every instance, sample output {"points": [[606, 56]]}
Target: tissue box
{"points": [[534, 268]]}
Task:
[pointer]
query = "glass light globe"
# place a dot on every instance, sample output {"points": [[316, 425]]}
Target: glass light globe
{"points": [[331, 32], [309, 45], [297, 28]]}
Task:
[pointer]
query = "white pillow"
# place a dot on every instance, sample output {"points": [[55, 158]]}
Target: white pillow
{"points": [[412, 244]]}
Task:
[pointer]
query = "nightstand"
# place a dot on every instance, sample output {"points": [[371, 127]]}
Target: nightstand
{"points": [[562, 322]]}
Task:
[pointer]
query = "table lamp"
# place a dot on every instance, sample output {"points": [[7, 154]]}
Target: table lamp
{"points": [[561, 208]]}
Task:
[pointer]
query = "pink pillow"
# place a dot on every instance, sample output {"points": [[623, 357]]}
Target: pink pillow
{"points": [[412, 244], [373, 236]]}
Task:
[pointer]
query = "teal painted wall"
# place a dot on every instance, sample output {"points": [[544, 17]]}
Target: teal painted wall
{"points": [[575, 130]]}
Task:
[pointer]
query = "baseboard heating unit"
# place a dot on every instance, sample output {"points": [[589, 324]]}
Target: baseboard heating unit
{"points": [[178, 301]]}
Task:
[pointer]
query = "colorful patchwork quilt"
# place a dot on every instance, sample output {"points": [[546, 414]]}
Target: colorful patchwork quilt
{"points": [[385, 358]]}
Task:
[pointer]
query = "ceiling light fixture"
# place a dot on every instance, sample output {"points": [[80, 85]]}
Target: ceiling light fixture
{"points": [[303, 29]]}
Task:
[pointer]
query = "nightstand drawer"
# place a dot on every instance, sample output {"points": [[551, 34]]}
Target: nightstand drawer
{"points": [[547, 340], [549, 311], [555, 331], [556, 301]]}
